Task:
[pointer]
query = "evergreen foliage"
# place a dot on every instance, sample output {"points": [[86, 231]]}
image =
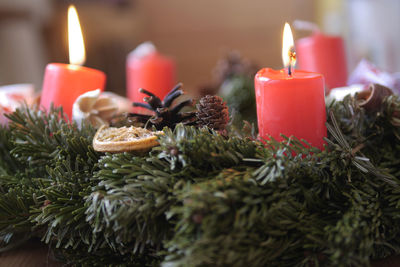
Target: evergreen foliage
{"points": [[202, 199]]}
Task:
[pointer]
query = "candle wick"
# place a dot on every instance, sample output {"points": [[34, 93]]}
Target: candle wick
{"points": [[292, 59]]}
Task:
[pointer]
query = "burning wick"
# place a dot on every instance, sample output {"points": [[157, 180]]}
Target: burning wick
{"points": [[292, 59], [288, 53]]}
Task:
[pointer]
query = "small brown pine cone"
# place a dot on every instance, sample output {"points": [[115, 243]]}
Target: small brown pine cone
{"points": [[212, 112]]}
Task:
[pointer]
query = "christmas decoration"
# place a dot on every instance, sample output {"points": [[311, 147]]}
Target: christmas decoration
{"points": [[338, 94], [97, 109], [202, 199], [165, 114], [13, 96], [124, 139], [366, 73], [212, 112], [371, 99]]}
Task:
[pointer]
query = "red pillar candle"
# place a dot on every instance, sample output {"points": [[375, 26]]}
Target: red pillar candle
{"points": [[146, 68], [63, 83], [326, 55], [291, 105], [291, 102]]}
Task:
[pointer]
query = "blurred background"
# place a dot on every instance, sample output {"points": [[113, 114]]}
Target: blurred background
{"points": [[195, 33]]}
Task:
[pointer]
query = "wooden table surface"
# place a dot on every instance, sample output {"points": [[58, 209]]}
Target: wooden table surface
{"points": [[32, 254]]}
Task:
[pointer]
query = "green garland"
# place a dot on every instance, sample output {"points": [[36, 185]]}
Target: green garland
{"points": [[200, 199]]}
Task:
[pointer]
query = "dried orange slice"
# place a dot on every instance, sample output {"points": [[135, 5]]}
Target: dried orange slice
{"points": [[124, 139]]}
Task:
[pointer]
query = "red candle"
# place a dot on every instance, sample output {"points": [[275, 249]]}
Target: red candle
{"points": [[148, 69], [291, 105], [63, 83], [326, 55], [291, 102]]}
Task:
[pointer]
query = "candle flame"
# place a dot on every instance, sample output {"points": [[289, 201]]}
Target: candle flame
{"points": [[288, 54], [75, 38]]}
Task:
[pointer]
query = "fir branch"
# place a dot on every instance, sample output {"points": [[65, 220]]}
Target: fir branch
{"points": [[8, 164], [207, 199], [129, 203], [202, 149]]}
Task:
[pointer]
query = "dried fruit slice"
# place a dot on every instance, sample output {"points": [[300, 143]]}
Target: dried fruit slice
{"points": [[123, 139]]}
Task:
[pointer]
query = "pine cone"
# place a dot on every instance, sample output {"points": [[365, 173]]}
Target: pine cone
{"points": [[212, 112], [165, 114]]}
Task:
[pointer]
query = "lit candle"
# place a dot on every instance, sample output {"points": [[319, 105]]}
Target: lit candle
{"points": [[63, 83], [326, 55], [290, 102], [148, 69]]}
